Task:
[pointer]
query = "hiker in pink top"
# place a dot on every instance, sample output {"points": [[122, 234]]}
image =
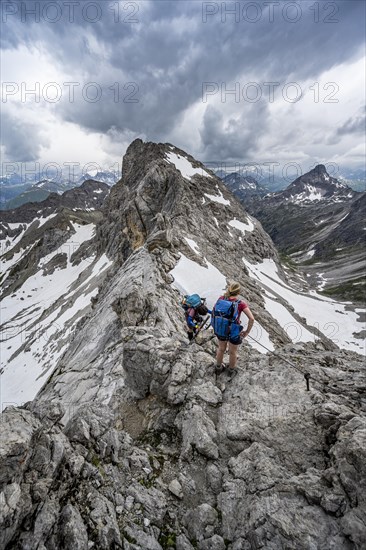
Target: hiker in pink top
{"points": [[234, 337]]}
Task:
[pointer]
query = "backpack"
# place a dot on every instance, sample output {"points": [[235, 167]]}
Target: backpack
{"points": [[194, 300], [224, 319]]}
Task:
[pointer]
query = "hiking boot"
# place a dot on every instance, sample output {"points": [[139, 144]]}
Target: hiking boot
{"points": [[231, 373], [219, 368]]}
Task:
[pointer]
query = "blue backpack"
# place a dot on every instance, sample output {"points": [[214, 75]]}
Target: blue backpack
{"points": [[194, 300], [224, 319]]}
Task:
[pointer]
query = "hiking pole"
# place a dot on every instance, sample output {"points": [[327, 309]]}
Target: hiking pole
{"points": [[201, 327]]}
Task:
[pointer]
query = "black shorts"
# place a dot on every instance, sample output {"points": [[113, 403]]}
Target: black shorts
{"points": [[235, 341]]}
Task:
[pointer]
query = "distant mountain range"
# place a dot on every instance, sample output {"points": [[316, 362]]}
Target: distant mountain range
{"points": [[243, 185], [88, 196], [355, 179], [37, 192], [318, 223], [16, 189], [14, 193]]}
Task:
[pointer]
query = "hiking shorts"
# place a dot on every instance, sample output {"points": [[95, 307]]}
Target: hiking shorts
{"points": [[236, 341]]}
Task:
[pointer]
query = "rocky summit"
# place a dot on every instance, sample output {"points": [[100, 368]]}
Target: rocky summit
{"points": [[133, 442], [316, 185]]}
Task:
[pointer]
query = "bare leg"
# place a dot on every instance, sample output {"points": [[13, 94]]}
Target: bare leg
{"points": [[233, 355], [220, 352]]}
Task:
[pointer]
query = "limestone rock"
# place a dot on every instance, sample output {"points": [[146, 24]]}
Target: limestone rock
{"points": [[175, 488]]}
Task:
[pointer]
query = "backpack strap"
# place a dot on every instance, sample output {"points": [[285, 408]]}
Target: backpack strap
{"points": [[235, 315], [237, 303]]}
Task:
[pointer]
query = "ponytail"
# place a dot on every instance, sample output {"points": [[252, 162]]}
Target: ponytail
{"points": [[233, 289]]}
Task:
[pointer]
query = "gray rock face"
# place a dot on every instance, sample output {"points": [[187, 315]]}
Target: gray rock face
{"points": [[135, 444]]}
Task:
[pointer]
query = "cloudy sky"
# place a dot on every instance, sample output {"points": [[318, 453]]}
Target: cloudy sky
{"points": [[228, 82]]}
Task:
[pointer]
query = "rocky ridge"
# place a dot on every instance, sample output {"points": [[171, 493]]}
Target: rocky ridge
{"points": [[132, 443]]}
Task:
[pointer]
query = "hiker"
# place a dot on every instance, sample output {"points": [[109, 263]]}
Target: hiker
{"points": [[226, 324], [194, 307]]}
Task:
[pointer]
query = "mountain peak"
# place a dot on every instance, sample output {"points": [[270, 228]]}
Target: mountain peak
{"points": [[142, 156], [159, 179], [320, 169], [316, 185]]}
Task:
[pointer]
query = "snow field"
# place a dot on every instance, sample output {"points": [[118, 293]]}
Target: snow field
{"points": [[25, 319], [325, 314]]}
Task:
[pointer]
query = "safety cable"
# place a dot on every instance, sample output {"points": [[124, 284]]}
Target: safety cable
{"points": [[306, 375], [324, 384]]}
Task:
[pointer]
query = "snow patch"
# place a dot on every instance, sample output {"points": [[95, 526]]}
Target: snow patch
{"points": [[260, 336], [42, 221], [82, 233], [243, 227], [31, 320], [323, 281], [193, 245], [218, 198], [185, 167], [190, 278]]}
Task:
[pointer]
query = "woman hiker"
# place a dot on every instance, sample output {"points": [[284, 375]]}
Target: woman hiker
{"points": [[226, 324]]}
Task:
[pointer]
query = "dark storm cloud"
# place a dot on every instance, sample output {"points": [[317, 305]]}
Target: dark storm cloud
{"points": [[238, 137], [171, 52], [22, 140]]}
